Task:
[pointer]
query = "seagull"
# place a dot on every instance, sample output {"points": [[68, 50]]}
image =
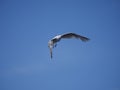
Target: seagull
{"points": [[53, 42]]}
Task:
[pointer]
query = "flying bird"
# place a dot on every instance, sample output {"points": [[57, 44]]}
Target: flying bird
{"points": [[53, 42]]}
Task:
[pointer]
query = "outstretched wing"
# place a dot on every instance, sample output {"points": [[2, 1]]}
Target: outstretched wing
{"points": [[51, 52], [73, 35], [50, 45]]}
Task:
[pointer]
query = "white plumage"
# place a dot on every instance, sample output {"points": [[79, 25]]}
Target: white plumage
{"points": [[53, 41]]}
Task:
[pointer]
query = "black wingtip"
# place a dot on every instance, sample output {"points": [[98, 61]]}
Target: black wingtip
{"points": [[51, 56], [84, 39]]}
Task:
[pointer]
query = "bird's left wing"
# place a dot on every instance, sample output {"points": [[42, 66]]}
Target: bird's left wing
{"points": [[73, 35]]}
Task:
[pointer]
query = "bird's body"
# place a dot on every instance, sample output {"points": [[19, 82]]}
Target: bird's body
{"points": [[53, 41]]}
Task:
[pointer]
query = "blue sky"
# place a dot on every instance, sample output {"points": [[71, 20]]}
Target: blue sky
{"points": [[26, 27]]}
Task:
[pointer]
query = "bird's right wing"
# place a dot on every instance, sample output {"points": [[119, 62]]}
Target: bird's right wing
{"points": [[73, 35], [50, 45], [51, 52]]}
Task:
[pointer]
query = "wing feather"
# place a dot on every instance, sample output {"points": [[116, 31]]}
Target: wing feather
{"points": [[51, 52], [73, 35]]}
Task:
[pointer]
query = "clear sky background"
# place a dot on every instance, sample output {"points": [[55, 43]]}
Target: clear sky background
{"points": [[26, 27]]}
